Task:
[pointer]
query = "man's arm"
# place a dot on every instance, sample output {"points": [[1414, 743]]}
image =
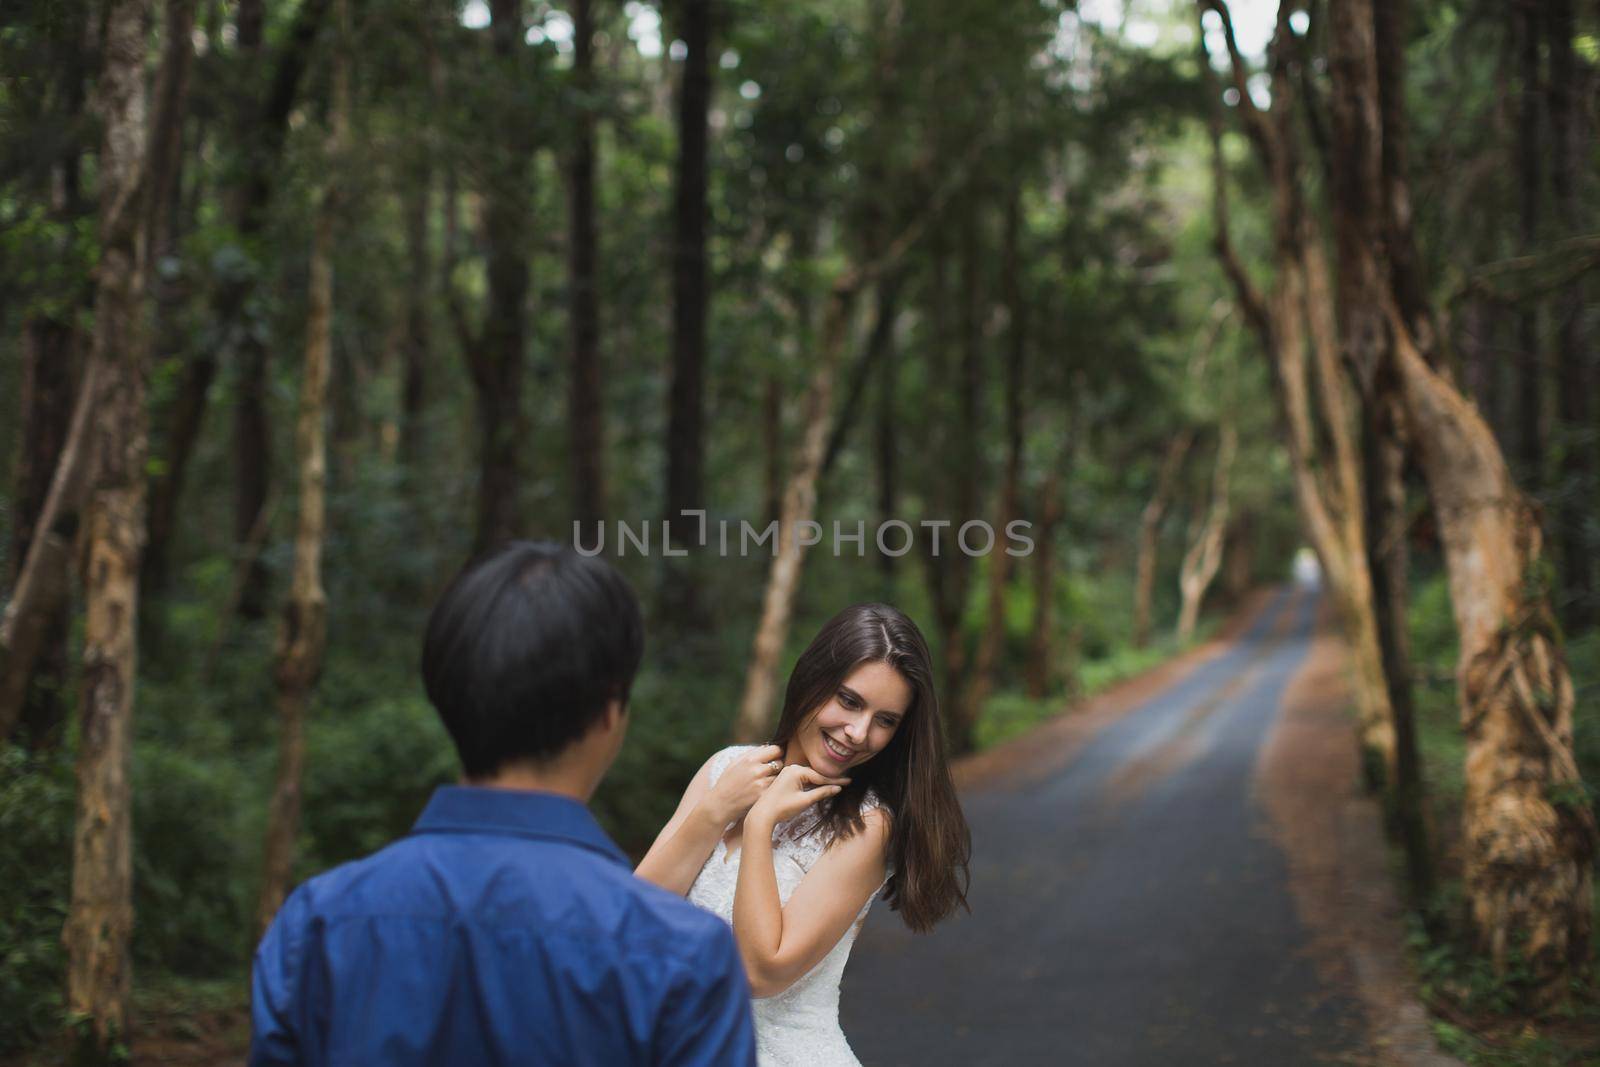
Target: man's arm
{"points": [[705, 1021], [274, 981]]}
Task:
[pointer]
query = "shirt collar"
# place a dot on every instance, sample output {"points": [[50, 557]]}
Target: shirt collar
{"points": [[456, 809]]}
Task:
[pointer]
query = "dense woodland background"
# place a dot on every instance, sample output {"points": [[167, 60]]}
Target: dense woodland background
{"points": [[355, 288]]}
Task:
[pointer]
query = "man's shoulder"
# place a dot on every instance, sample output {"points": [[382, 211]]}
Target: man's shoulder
{"points": [[583, 893]]}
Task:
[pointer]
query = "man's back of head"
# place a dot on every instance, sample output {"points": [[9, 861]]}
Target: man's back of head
{"points": [[530, 651]]}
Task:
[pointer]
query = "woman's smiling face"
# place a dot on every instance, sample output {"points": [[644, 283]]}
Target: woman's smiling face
{"points": [[856, 723]]}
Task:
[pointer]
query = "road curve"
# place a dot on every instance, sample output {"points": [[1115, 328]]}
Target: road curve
{"points": [[1129, 908]]}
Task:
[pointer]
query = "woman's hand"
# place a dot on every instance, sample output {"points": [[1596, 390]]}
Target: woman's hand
{"points": [[743, 783], [796, 789]]}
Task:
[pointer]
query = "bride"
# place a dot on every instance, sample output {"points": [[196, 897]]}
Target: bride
{"points": [[790, 842]]}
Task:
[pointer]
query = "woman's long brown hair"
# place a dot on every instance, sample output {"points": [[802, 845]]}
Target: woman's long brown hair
{"points": [[929, 843]]}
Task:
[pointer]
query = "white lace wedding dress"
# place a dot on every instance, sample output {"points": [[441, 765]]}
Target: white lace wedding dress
{"points": [[800, 1026]]}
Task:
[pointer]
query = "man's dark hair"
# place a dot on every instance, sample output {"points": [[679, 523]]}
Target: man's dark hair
{"points": [[525, 649]]}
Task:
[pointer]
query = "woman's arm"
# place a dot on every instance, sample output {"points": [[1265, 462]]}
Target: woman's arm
{"points": [[691, 835], [781, 942]]}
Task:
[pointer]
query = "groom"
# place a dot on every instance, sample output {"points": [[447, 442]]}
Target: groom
{"points": [[507, 928]]}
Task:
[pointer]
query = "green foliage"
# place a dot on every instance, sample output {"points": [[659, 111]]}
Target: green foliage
{"points": [[1583, 660], [673, 728], [36, 810], [1095, 614], [1452, 971], [369, 773], [1527, 1048], [1503, 1036], [194, 852]]}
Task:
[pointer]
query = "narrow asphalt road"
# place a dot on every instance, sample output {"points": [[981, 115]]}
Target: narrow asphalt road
{"points": [[1127, 909]]}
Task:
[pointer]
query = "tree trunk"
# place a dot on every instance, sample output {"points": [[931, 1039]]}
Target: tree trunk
{"points": [[1388, 232], [252, 429], [1568, 148], [187, 416], [417, 348], [879, 341], [758, 704], [1042, 670], [29, 681], [252, 467], [165, 192], [992, 642], [302, 637], [417, 342], [260, 124], [100, 916], [884, 453], [1238, 558], [1324, 459], [1530, 149], [41, 586], [756, 707], [1166, 482], [587, 427], [1204, 556], [1144, 581], [166, 128], [1391, 22], [34, 629], [690, 298], [495, 354], [772, 448], [950, 572], [1528, 831], [1366, 223]]}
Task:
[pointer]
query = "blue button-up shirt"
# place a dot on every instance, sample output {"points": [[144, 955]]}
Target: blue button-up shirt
{"points": [[506, 929]]}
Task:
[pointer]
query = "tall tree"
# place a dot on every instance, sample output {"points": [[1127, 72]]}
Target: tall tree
{"points": [[1042, 666], [1155, 509], [417, 206], [1529, 833], [1530, 149], [100, 918], [1383, 218], [33, 637], [757, 704], [1364, 185], [685, 475], [302, 637], [1008, 504], [1294, 320], [496, 351], [252, 429], [1204, 555], [949, 569], [258, 118], [1528, 828], [1177, 450], [416, 343], [33, 667], [885, 449], [1574, 387], [586, 425]]}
